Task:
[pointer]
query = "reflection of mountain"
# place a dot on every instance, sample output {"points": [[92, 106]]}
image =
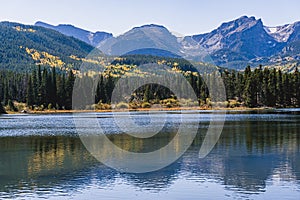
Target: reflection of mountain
{"points": [[250, 153], [155, 181]]}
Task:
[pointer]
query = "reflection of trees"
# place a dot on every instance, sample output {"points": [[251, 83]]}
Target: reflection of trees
{"points": [[44, 162], [56, 153], [248, 153]]}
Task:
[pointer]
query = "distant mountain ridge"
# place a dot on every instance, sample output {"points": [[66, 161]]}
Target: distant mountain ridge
{"points": [[86, 36]]}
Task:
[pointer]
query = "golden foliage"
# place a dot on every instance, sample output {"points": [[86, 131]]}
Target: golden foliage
{"points": [[20, 29], [45, 58]]}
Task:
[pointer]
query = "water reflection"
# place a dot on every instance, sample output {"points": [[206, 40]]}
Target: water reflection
{"points": [[251, 156]]}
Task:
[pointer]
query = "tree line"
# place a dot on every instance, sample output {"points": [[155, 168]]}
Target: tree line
{"points": [[263, 87], [43, 88], [48, 88]]}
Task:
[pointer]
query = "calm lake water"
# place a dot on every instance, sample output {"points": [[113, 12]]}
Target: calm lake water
{"points": [[256, 157]]}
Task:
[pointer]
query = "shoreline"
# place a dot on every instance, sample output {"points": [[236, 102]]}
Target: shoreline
{"points": [[141, 110]]}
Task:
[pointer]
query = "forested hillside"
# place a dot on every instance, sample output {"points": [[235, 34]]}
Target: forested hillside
{"points": [[23, 47]]}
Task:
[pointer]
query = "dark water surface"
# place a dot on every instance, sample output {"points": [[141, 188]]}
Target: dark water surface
{"points": [[257, 157]]}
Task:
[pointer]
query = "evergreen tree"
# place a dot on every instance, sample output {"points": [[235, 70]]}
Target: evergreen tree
{"points": [[280, 96], [30, 93], [39, 76], [147, 94], [6, 93], [259, 80], [40, 87], [53, 88], [100, 91], [35, 86], [287, 90], [12, 106], [250, 93], [2, 110], [296, 87], [109, 87], [61, 91], [232, 85], [271, 99], [247, 73], [265, 88], [193, 82], [239, 86], [203, 90], [69, 90], [43, 89]]}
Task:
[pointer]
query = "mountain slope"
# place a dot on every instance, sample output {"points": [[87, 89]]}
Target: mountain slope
{"points": [[22, 46], [153, 52], [145, 37], [88, 37]]}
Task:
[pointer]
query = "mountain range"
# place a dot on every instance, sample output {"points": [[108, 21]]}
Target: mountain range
{"points": [[234, 44]]}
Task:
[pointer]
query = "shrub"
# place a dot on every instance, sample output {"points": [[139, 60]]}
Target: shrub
{"points": [[222, 104], [122, 105], [11, 106], [49, 106], [192, 103], [134, 105], [201, 102], [20, 106], [102, 106], [146, 105], [169, 103], [234, 103]]}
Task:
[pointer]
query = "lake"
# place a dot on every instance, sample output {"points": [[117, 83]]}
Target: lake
{"points": [[256, 157]]}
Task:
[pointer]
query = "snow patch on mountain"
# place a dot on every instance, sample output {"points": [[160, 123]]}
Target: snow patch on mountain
{"points": [[280, 33]]}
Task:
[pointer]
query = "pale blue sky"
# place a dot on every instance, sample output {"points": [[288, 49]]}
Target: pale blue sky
{"points": [[117, 16]]}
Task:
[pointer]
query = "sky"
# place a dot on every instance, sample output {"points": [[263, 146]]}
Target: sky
{"points": [[184, 17]]}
